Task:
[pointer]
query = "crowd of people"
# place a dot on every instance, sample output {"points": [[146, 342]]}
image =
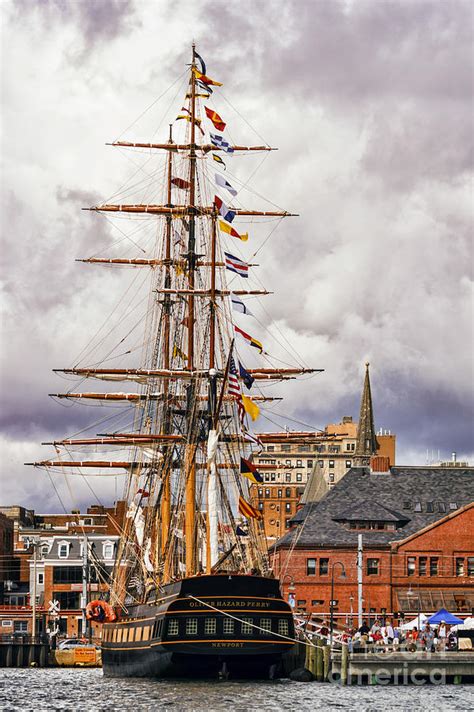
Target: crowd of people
{"points": [[386, 635]]}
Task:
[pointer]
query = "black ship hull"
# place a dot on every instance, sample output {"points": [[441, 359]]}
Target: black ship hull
{"points": [[203, 627]]}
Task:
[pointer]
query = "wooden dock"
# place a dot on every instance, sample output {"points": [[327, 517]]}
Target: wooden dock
{"points": [[402, 667]]}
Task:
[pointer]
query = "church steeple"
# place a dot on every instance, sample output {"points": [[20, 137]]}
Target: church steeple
{"points": [[367, 444]]}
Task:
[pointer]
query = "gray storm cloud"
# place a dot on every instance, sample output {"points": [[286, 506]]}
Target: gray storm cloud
{"points": [[370, 106]]}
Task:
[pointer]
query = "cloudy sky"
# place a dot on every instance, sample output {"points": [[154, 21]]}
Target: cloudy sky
{"points": [[370, 105]]}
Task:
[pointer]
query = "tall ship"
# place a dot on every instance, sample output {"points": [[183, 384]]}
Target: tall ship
{"points": [[192, 593]]}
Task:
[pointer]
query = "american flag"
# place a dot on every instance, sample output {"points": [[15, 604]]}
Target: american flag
{"points": [[233, 389], [234, 385]]}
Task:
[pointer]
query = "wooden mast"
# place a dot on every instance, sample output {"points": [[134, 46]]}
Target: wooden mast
{"points": [[166, 495], [190, 450]]}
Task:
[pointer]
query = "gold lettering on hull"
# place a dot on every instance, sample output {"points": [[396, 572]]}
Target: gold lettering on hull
{"points": [[231, 604]]}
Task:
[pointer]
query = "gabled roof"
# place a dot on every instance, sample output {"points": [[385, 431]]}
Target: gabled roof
{"points": [[370, 511], [421, 486], [432, 525]]}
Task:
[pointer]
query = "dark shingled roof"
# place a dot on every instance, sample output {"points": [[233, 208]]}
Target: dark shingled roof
{"points": [[362, 490], [370, 511]]}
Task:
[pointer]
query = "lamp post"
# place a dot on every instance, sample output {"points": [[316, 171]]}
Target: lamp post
{"points": [[412, 593], [331, 603], [291, 588], [35, 544]]}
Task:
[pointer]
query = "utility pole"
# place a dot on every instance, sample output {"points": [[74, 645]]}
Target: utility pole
{"points": [[359, 580], [33, 623], [84, 585]]}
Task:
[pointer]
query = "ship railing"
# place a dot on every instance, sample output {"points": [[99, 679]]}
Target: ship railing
{"points": [[311, 630]]}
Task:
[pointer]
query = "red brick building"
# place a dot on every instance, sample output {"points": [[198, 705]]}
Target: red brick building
{"points": [[417, 527], [57, 573]]}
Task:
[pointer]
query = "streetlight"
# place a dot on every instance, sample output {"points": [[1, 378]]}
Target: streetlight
{"points": [[412, 593], [291, 588], [331, 603], [34, 543]]}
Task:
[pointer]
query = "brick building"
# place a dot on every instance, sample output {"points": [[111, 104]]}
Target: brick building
{"points": [[59, 541], [292, 462], [417, 527]]}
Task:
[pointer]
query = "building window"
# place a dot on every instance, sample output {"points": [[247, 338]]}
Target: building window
{"points": [[331, 477], [317, 602], [288, 492], [260, 492], [283, 626], [287, 506], [266, 624], [298, 463], [411, 563], [63, 550], [309, 463], [267, 493], [288, 477], [288, 462], [260, 506], [434, 565], [247, 626], [44, 550], [331, 464], [418, 507], [422, 563], [372, 567], [470, 565], [20, 626], [323, 567], [228, 627], [430, 507], [270, 448], [280, 493], [299, 477], [286, 448], [173, 626], [301, 602], [453, 505], [68, 600], [310, 567], [108, 550], [40, 578], [459, 566], [348, 463], [272, 476], [287, 523], [191, 626], [441, 507], [266, 477], [406, 505]]}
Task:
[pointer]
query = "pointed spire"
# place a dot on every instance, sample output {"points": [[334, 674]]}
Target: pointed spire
{"points": [[367, 444]]}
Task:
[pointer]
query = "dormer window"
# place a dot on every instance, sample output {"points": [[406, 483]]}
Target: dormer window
{"points": [[108, 550], [63, 549]]}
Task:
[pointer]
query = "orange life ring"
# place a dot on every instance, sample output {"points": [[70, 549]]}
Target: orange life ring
{"points": [[100, 611]]}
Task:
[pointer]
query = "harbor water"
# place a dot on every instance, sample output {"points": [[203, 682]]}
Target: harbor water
{"points": [[87, 689]]}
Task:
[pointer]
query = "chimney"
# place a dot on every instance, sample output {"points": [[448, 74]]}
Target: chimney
{"points": [[346, 419], [379, 464]]}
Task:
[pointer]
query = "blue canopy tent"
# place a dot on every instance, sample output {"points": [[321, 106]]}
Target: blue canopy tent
{"points": [[443, 616]]}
